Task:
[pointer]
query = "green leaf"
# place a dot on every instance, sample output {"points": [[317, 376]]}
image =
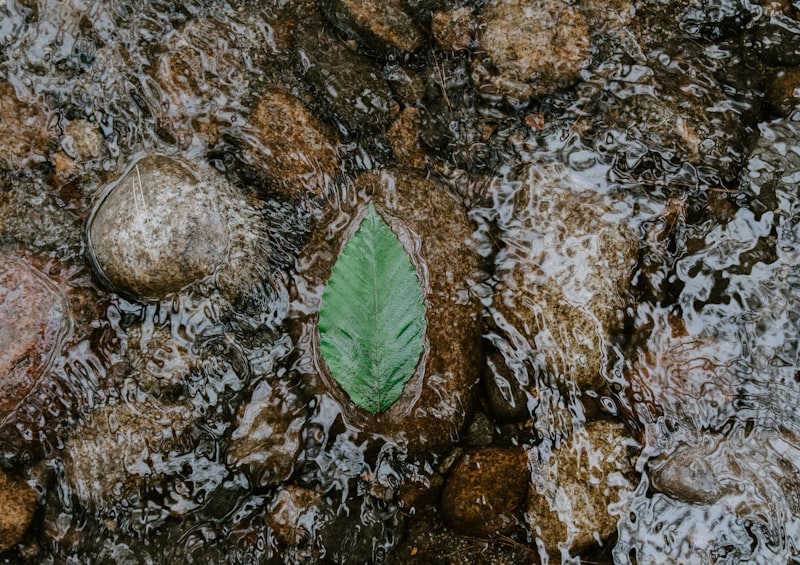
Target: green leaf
{"points": [[372, 319]]}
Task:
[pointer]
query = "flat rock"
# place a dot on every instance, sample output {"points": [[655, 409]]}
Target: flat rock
{"points": [[528, 49], [169, 223]]}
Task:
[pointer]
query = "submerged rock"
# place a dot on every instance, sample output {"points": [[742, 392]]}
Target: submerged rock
{"points": [[168, 224], [563, 284], [485, 492], [529, 49], [17, 505], [381, 24], [35, 321], [453, 29], [291, 146], [579, 490], [140, 462], [297, 514], [433, 227], [349, 84], [24, 130], [268, 434], [782, 90]]}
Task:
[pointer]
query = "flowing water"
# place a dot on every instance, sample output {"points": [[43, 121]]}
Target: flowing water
{"points": [[670, 133]]}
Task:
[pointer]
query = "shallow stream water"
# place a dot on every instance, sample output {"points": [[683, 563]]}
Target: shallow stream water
{"points": [[676, 131]]}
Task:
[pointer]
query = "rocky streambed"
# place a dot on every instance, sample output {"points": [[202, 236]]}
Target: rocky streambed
{"points": [[597, 203]]}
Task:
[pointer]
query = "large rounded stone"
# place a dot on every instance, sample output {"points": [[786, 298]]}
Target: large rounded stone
{"points": [[570, 501], [529, 49], [485, 492], [434, 229], [35, 320], [17, 505], [169, 223]]}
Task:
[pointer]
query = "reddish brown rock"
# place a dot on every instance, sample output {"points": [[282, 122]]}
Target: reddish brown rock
{"points": [[34, 321], [485, 491], [17, 505], [291, 146]]}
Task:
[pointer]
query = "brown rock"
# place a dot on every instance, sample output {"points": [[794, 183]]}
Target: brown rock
{"points": [[404, 137], [433, 227], [783, 90], [485, 492], [564, 278], [679, 376], [17, 505], [568, 502], [528, 49], [291, 146], [453, 29], [349, 83], [137, 462], [24, 131], [267, 438], [35, 320], [382, 24], [83, 141], [296, 514]]}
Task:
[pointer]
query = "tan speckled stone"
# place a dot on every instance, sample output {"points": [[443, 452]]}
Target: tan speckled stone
{"points": [[528, 49], [17, 505], [569, 500]]}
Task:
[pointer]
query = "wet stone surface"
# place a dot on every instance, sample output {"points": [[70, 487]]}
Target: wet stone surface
{"points": [[294, 150], [35, 320], [485, 492], [167, 224], [601, 201], [579, 490], [563, 285], [382, 25], [26, 128], [17, 505], [525, 50]]}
